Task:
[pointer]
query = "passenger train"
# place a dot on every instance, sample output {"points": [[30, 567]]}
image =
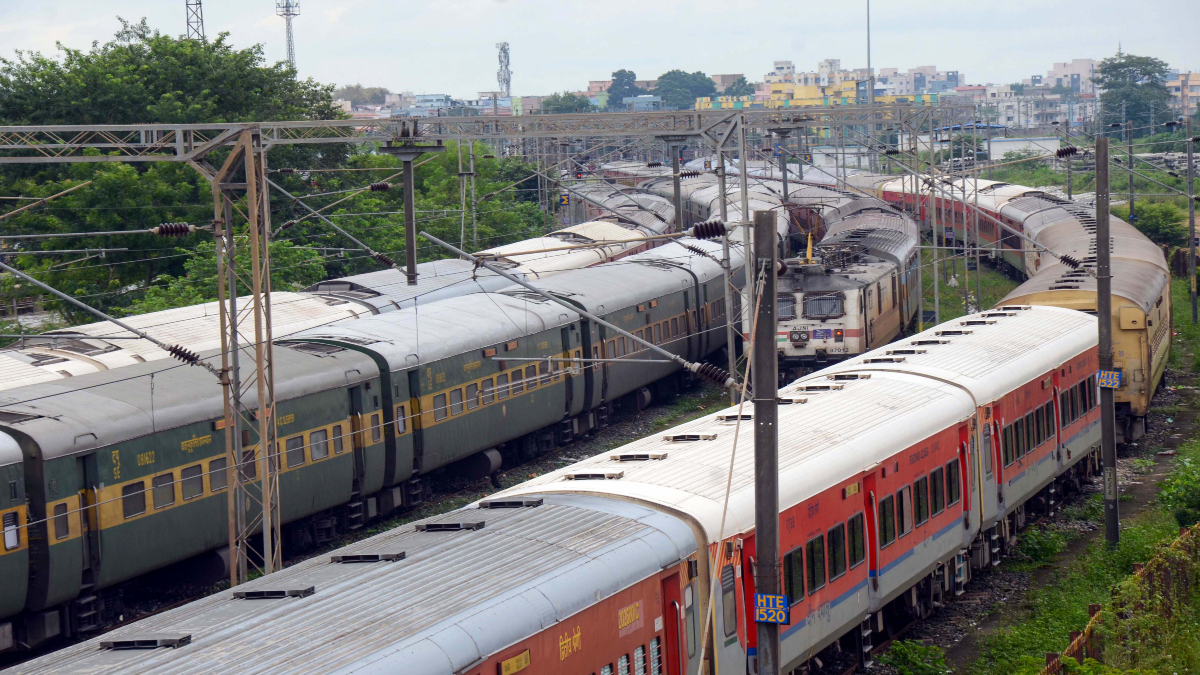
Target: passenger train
{"points": [[86, 349], [112, 474], [903, 471]]}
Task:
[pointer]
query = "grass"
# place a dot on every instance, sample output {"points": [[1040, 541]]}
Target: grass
{"points": [[995, 285]]}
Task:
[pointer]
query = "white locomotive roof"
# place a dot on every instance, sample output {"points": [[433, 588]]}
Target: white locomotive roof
{"points": [[839, 433]]}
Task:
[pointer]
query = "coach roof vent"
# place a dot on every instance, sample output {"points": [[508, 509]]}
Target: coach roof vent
{"points": [[148, 641], [952, 333], [1064, 287], [733, 417], [820, 387], [928, 343], [842, 377], [687, 438], [790, 401], [997, 315], [904, 352], [314, 348], [595, 475], [885, 359], [449, 527], [275, 593], [510, 503], [976, 322], [367, 557], [1015, 308], [638, 457]]}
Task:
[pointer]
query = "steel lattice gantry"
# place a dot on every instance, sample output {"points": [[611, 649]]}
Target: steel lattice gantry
{"points": [[187, 142]]}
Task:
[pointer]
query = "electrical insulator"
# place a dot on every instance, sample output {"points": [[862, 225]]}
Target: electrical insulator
{"points": [[710, 229], [380, 187], [188, 357], [173, 229], [713, 374], [383, 259], [1070, 262]]}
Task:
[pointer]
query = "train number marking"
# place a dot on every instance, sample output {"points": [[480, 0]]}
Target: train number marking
{"points": [[116, 460], [918, 456], [771, 608], [629, 619], [145, 458], [814, 509]]}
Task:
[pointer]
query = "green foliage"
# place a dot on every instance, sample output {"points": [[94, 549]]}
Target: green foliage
{"points": [[1017, 88], [623, 85], [1134, 84], [1038, 546], [1181, 491], [680, 90], [360, 95], [565, 102], [144, 76], [739, 87], [1162, 222], [1062, 89], [910, 657]]}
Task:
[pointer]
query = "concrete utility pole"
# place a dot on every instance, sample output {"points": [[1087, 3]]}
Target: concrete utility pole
{"points": [[783, 167], [747, 231], [1108, 414], [1191, 173], [407, 152], [726, 267], [766, 438]]}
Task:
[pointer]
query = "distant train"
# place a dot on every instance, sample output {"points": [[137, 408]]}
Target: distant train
{"points": [[902, 472], [113, 474]]}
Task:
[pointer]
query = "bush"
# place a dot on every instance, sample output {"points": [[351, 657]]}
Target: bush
{"points": [[909, 657], [1181, 492]]}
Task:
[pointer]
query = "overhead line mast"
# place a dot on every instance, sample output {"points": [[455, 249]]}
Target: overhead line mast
{"points": [[288, 9], [195, 20]]}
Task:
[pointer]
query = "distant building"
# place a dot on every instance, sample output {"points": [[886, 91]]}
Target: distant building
{"points": [[1185, 92], [526, 105], [599, 99], [782, 71], [597, 86], [723, 81], [343, 105], [643, 103]]}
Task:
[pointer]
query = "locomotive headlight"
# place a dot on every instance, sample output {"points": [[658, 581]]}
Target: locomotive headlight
{"points": [[797, 336], [803, 335], [838, 335]]}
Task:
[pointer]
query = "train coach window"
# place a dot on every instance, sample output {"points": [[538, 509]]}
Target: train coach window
{"points": [[814, 551], [502, 386], [937, 490], [793, 575], [987, 448], [639, 660], [903, 511], [656, 656], [518, 385], [12, 535], [785, 306], [1093, 392], [337, 431], [824, 305], [606, 670], [531, 377], [1048, 411], [489, 391], [295, 451], [1019, 448], [164, 490], [318, 442], [191, 481], [544, 372], [62, 523], [1064, 410], [401, 426], [1006, 444], [675, 327], [623, 664], [921, 499], [857, 543], [728, 600], [376, 428], [658, 334], [456, 401], [1030, 432], [218, 479], [1039, 425], [249, 464], [689, 613], [1074, 399], [953, 483], [472, 396], [887, 521], [440, 410], [837, 551], [133, 499]]}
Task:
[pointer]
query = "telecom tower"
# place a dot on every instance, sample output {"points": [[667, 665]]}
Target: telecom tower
{"points": [[504, 75], [287, 9], [195, 20]]}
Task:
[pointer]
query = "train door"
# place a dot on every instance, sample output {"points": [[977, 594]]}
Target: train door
{"points": [[673, 618], [967, 475]]}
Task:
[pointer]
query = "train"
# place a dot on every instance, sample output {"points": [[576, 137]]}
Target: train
{"points": [[89, 348], [864, 285], [112, 474], [903, 471]]}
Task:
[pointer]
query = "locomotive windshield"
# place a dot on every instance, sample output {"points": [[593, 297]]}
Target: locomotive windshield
{"points": [[822, 306]]}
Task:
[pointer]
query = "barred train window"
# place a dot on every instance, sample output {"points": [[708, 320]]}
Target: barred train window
{"points": [[837, 551], [62, 525], [824, 305], [785, 306], [887, 521], [656, 656], [623, 664], [814, 550], [953, 483], [192, 481], [531, 376], [937, 490], [456, 401], [639, 660], [133, 499], [164, 490], [12, 535], [217, 478], [793, 575], [517, 385], [858, 547], [318, 442], [295, 451], [376, 429], [489, 391], [921, 500], [904, 511], [439, 408], [337, 433], [472, 396], [401, 422], [502, 386], [729, 600]]}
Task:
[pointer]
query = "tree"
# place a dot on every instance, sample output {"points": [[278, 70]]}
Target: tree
{"points": [[680, 90], [1062, 89], [739, 87], [1133, 88], [565, 102], [623, 86], [1018, 88], [360, 95], [144, 76]]}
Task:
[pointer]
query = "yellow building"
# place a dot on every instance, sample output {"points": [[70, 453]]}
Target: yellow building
{"points": [[791, 95]]}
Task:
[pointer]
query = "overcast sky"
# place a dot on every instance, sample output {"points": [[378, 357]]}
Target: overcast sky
{"points": [[448, 46]]}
